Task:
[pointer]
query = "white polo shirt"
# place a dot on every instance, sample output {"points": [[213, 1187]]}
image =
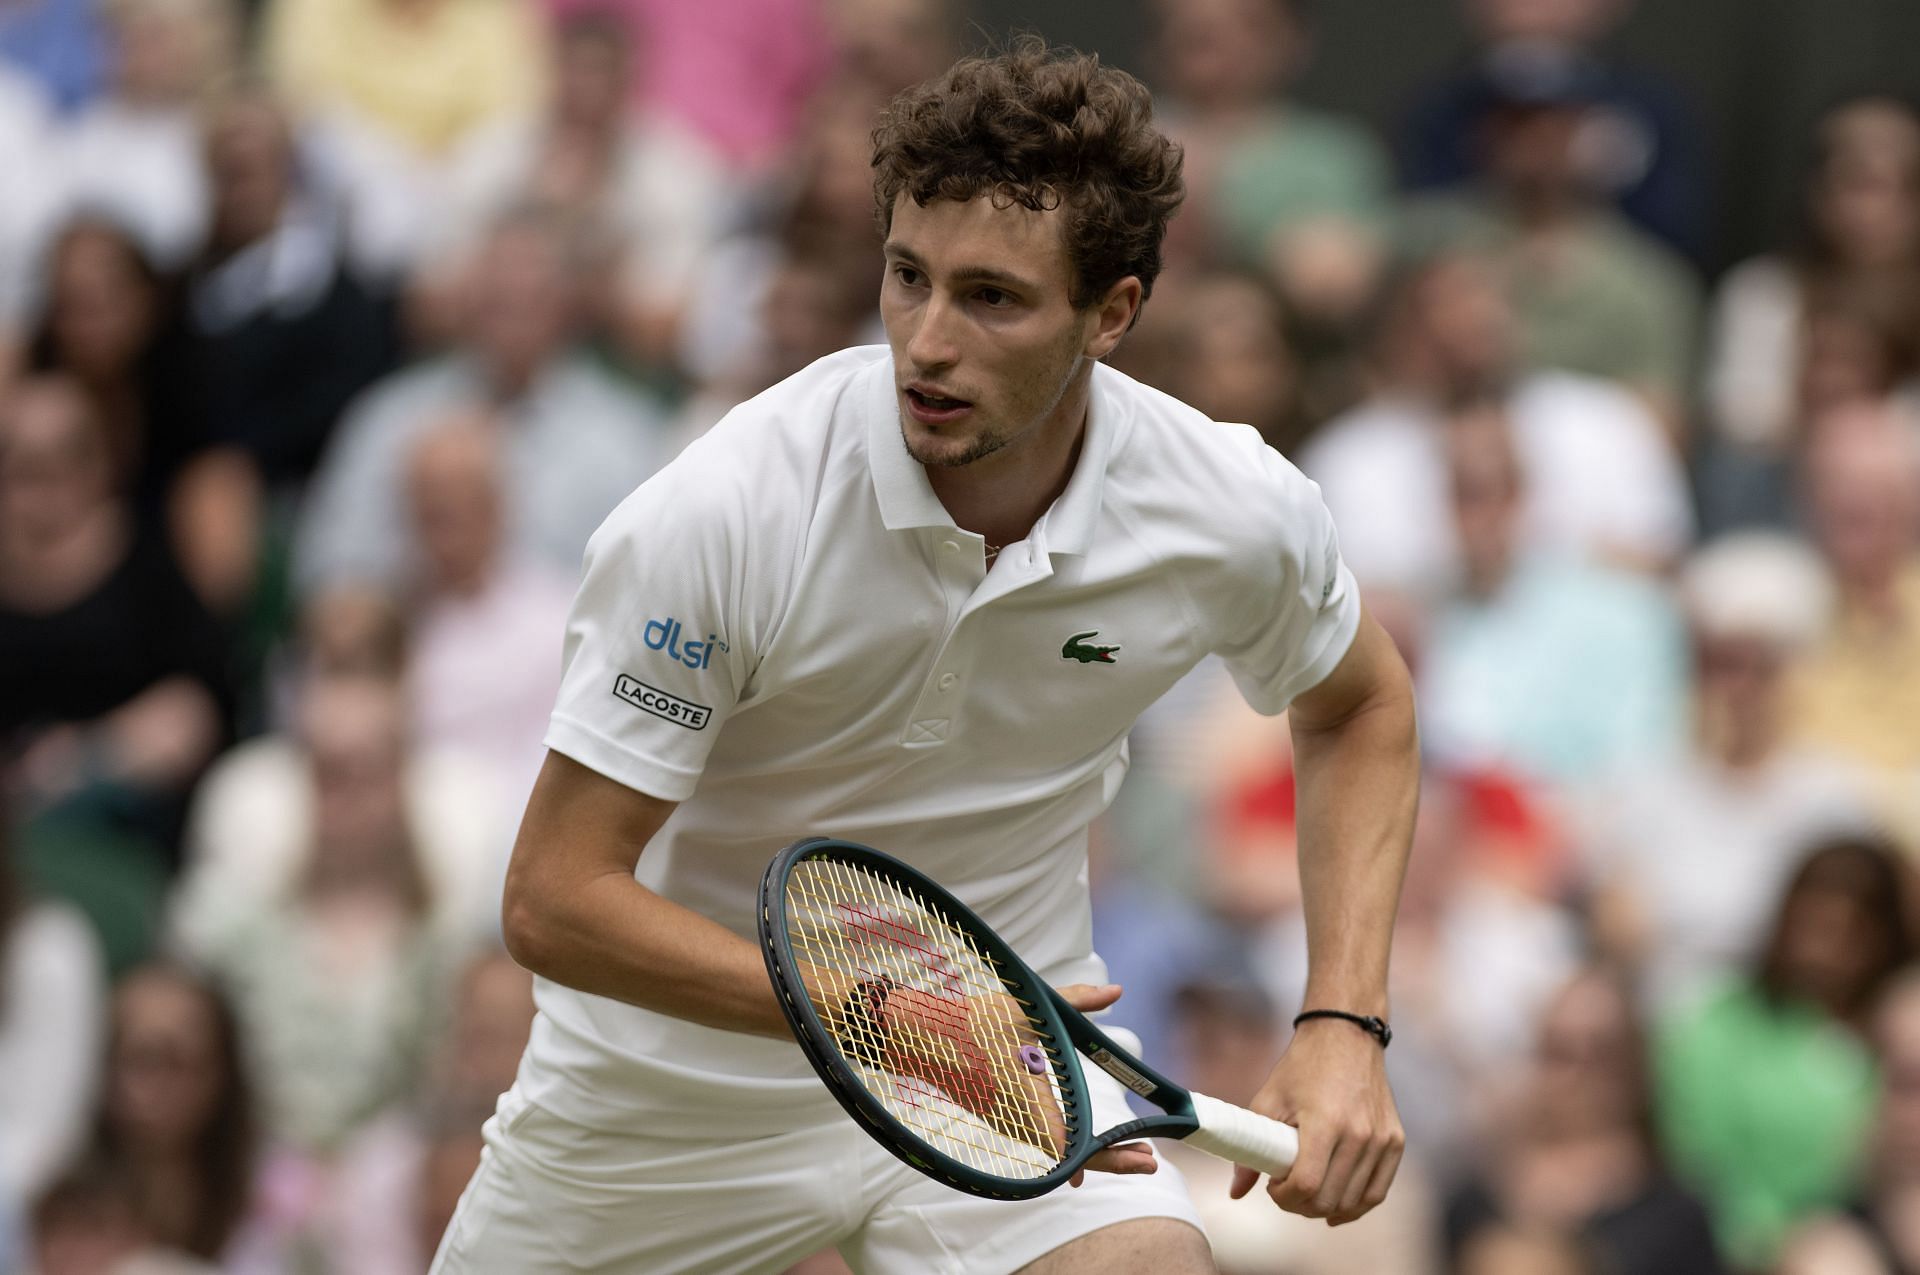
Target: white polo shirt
{"points": [[785, 631]]}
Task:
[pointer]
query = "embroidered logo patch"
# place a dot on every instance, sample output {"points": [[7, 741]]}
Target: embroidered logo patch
{"points": [[1078, 648], [681, 712]]}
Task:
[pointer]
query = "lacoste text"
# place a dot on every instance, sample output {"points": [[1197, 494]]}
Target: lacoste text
{"points": [[656, 701]]}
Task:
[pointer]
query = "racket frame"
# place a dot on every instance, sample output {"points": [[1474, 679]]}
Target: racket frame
{"points": [[1061, 1020]]}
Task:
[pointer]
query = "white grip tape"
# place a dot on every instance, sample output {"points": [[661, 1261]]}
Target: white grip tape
{"points": [[1242, 1136]]}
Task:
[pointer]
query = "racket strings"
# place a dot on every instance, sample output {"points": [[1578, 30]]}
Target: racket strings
{"points": [[927, 1022]]}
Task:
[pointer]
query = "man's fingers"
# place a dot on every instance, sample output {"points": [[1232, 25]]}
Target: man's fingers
{"points": [[1243, 1181], [1128, 1157], [1375, 1183], [1383, 1174], [1342, 1167], [1295, 1193], [1087, 997], [1345, 1206]]}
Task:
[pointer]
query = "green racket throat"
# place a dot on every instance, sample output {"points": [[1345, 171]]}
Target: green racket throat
{"points": [[945, 1046]]}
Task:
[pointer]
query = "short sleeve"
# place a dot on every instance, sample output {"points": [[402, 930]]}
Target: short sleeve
{"points": [[1298, 605], [657, 648]]}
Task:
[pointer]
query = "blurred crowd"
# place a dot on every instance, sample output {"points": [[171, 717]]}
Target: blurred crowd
{"points": [[330, 330]]}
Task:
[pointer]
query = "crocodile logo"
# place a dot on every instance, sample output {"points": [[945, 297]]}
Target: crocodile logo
{"points": [[1078, 648]]}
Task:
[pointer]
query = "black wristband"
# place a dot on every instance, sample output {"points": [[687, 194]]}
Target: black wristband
{"points": [[1368, 1023]]}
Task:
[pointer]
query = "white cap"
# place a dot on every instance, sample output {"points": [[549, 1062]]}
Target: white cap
{"points": [[1757, 584]]}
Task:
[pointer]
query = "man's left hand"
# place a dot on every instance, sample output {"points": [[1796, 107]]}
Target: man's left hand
{"points": [[1331, 1085]]}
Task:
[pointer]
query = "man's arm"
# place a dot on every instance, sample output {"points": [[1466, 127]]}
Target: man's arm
{"points": [[1356, 762], [573, 912]]}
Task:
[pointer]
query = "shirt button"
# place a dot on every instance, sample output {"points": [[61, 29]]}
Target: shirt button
{"points": [[951, 546], [948, 681]]}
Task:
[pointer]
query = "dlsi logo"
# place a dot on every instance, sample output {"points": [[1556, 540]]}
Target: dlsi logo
{"points": [[664, 635]]}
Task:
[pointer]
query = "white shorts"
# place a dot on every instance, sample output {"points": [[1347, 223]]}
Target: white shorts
{"points": [[554, 1196]]}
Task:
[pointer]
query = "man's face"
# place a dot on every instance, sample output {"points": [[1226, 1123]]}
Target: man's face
{"points": [[984, 335]]}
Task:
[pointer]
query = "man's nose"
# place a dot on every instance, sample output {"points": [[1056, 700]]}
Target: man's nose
{"points": [[932, 344]]}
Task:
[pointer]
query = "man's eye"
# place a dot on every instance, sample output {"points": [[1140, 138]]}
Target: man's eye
{"points": [[995, 298], [907, 275]]}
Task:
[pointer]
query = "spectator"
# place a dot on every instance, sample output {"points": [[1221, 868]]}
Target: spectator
{"points": [[819, 299], [738, 73], [1858, 692], [282, 334], [52, 1010], [645, 198], [1272, 185], [105, 323], [1504, 1250], [577, 440], [1765, 1086], [1644, 150], [1875, 1233], [278, 337], [176, 1114], [1484, 937], [89, 1223], [1229, 1033], [421, 74], [1231, 356], [1591, 293], [816, 206], [340, 922], [1601, 483], [398, 1183], [1860, 232], [890, 45], [134, 153], [477, 616], [1574, 1152], [111, 674], [1688, 855], [1495, 689]]}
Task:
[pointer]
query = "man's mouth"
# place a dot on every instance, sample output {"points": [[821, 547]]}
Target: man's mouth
{"points": [[935, 409], [936, 402]]}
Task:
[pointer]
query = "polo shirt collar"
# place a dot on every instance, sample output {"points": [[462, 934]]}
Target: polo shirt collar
{"points": [[1069, 525], [907, 499]]}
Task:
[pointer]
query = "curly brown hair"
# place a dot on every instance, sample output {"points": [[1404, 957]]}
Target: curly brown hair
{"points": [[1044, 128]]}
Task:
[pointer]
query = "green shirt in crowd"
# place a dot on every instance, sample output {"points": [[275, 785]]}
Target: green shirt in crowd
{"points": [[1764, 1107]]}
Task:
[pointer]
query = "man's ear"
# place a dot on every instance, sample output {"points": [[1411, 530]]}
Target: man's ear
{"points": [[1113, 315]]}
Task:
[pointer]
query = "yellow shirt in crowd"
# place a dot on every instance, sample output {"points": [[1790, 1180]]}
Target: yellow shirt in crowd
{"points": [[424, 71], [1857, 695]]}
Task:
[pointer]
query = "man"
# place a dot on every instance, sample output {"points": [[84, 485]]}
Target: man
{"points": [[1603, 483], [576, 438], [1594, 293], [850, 607]]}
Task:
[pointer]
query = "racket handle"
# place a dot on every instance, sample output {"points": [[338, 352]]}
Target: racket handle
{"points": [[1242, 1136]]}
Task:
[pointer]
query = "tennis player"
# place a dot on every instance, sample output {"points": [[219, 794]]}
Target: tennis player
{"points": [[916, 596]]}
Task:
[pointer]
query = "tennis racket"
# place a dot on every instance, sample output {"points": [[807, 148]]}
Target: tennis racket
{"points": [[945, 1046]]}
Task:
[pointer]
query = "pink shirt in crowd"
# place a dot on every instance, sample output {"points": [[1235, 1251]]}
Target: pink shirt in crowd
{"points": [[738, 72]]}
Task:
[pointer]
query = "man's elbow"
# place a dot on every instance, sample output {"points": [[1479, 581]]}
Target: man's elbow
{"points": [[526, 926]]}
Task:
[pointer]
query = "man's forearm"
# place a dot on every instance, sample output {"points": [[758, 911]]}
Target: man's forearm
{"points": [[611, 936], [1358, 780]]}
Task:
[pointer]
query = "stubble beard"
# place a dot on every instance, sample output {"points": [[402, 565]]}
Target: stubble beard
{"points": [[982, 446], [988, 441]]}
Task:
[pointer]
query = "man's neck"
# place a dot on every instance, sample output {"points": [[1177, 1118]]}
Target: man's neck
{"points": [[1001, 496]]}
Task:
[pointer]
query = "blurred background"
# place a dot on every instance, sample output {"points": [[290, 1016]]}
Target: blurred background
{"points": [[330, 329]]}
